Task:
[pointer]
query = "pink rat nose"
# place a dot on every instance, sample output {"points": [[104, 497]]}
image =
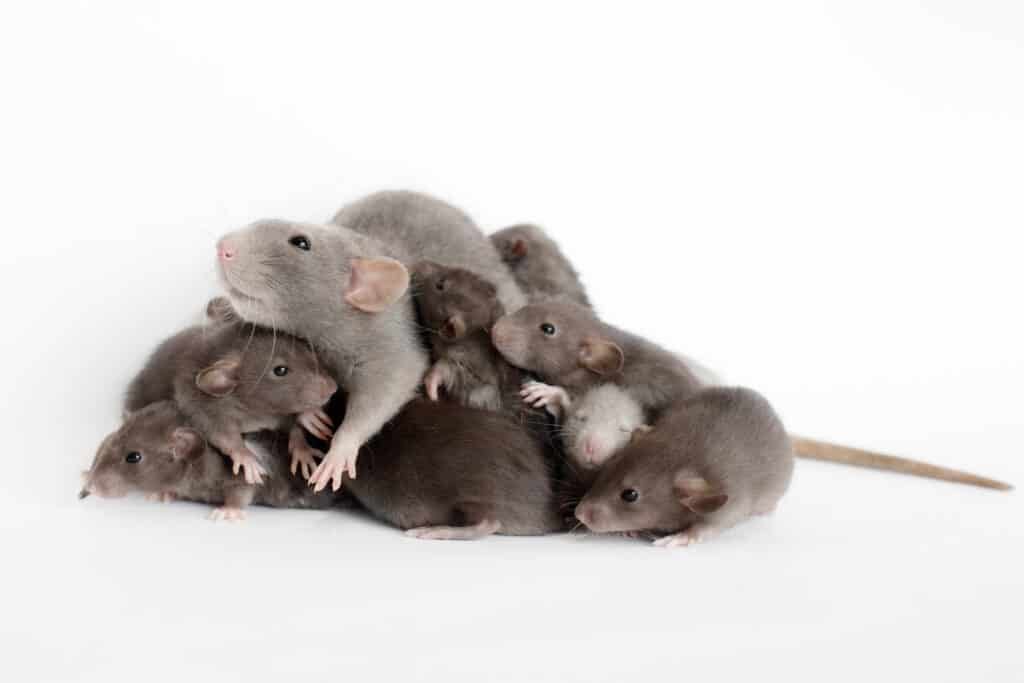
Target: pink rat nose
{"points": [[226, 250], [583, 513]]}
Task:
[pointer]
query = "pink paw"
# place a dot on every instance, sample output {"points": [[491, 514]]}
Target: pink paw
{"points": [[317, 423], [161, 497], [340, 460], [305, 459], [227, 514]]}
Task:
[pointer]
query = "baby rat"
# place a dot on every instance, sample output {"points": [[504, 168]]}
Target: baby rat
{"points": [[710, 462], [241, 379], [567, 345], [458, 308], [594, 427], [538, 265], [155, 382], [445, 471], [157, 452]]}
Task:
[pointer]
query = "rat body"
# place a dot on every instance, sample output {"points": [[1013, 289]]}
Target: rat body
{"points": [[157, 452], [445, 471], [457, 309], [238, 378], [568, 346], [418, 227], [710, 462], [538, 265]]}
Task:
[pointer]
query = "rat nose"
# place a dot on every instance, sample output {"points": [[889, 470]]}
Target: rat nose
{"points": [[226, 250], [583, 513]]}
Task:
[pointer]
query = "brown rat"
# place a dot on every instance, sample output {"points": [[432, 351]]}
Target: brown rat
{"points": [[568, 346], [457, 309], [539, 265], [158, 453], [242, 378], [710, 462], [445, 471]]}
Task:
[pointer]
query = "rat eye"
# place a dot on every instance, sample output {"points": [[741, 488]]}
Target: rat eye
{"points": [[300, 241], [630, 495], [441, 285], [281, 370], [548, 329], [581, 417], [133, 458]]}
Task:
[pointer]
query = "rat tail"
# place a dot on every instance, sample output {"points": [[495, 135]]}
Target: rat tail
{"points": [[830, 452]]}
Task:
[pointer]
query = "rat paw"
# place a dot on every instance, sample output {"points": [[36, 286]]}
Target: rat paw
{"points": [[227, 514], [249, 465], [541, 395], [437, 378], [305, 459], [340, 461], [692, 536], [317, 423], [455, 533], [161, 497]]}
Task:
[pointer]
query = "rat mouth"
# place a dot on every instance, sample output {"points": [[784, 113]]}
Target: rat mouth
{"points": [[233, 290]]}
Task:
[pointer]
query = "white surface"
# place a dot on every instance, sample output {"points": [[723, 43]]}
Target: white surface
{"points": [[821, 200]]}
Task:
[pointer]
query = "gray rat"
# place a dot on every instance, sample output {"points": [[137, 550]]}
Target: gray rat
{"points": [[457, 309], [344, 288], [240, 378], [157, 452], [568, 346], [539, 265], [710, 462], [445, 471]]}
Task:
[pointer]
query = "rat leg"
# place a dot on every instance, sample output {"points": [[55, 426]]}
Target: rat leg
{"points": [[377, 390], [552, 398], [241, 457], [317, 423], [303, 455], [456, 533], [236, 499], [440, 376], [695, 533], [161, 497]]}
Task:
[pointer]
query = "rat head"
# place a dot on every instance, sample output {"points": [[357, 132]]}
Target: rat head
{"points": [[600, 423], [269, 373], [150, 453], [454, 302], [555, 338], [641, 489], [299, 276]]}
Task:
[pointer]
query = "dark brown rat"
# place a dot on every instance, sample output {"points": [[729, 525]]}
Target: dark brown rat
{"points": [[243, 378], [445, 471], [457, 309], [157, 452], [709, 462], [538, 264]]}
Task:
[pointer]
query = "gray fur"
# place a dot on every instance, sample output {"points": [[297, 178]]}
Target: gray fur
{"points": [[419, 227], [538, 265], [730, 438]]}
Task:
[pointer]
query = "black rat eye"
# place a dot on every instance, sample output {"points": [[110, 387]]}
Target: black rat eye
{"points": [[300, 241], [441, 285], [281, 370], [133, 458], [630, 495], [548, 329]]}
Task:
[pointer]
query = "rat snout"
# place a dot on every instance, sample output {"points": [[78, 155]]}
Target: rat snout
{"points": [[327, 387], [226, 249], [585, 513]]}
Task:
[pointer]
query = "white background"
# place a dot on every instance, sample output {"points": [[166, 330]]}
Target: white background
{"points": [[821, 200]]}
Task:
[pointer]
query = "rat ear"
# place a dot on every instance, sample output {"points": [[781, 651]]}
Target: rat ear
{"points": [[454, 327], [375, 284], [601, 356], [220, 379], [186, 443], [697, 495], [518, 249]]}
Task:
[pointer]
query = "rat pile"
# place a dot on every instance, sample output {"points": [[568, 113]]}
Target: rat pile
{"points": [[454, 385]]}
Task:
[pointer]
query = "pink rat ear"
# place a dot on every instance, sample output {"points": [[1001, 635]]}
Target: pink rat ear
{"points": [[220, 379], [186, 443], [375, 284], [697, 495], [519, 248], [601, 356]]}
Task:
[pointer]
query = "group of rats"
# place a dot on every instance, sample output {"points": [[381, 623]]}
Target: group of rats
{"points": [[454, 385]]}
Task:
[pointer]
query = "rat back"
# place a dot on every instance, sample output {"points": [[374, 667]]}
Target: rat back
{"points": [[444, 464], [538, 265], [418, 227]]}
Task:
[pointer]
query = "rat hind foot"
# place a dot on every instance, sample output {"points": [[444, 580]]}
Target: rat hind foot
{"points": [[456, 533]]}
